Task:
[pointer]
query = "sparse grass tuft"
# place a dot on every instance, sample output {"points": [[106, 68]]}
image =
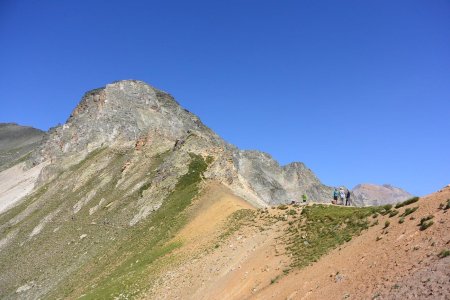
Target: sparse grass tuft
{"points": [[274, 280], [424, 219], [282, 207], [393, 213], [407, 202], [425, 225], [408, 211], [426, 222], [292, 212], [444, 253], [325, 228], [447, 205], [236, 220], [387, 207]]}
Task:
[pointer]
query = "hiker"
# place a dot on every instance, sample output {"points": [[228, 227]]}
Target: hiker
{"points": [[347, 198], [335, 196], [304, 197], [342, 195]]}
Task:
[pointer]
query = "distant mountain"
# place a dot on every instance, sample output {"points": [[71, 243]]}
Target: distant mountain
{"points": [[17, 142], [372, 194]]}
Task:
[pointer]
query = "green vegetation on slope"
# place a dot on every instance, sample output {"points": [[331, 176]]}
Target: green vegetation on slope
{"points": [[149, 241], [323, 228], [98, 255], [407, 202]]}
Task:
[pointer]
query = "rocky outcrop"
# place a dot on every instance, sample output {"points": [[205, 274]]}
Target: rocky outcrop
{"points": [[120, 113], [132, 113], [276, 184], [372, 194], [16, 142]]}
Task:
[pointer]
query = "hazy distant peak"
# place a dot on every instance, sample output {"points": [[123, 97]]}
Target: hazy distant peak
{"points": [[373, 194]]}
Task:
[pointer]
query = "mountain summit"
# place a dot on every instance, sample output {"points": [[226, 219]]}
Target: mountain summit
{"points": [[132, 113]]}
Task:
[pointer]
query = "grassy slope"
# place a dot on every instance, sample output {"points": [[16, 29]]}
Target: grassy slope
{"points": [[113, 257], [147, 242], [322, 228]]}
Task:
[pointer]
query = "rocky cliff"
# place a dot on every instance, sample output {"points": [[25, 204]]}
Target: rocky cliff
{"points": [[132, 113]]}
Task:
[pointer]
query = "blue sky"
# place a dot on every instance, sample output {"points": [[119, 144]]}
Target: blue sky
{"points": [[358, 90]]}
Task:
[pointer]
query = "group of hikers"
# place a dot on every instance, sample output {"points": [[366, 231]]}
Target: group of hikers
{"points": [[339, 195]]}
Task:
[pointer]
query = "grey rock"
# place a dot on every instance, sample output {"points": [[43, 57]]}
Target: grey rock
{"points": [[132, 113], [372, 194]]}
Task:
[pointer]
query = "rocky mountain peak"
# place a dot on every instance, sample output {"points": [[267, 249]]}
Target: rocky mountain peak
{"points": [[121, 112]]}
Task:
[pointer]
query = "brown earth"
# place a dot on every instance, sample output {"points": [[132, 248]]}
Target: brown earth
{"points": [[399, 262]]}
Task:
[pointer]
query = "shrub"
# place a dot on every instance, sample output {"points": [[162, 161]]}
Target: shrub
{"points": [[282, 207], [407, 202], [409, 211], [375, 215], [274, 280], [402, 219], [292, 212], [387, 207], [386, 224], [425, 225], [393, 213], [424, 219], [447, 206], [444, 253], [426, 222]]}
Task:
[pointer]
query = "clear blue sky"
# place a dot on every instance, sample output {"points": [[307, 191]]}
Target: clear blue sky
{"points": [[358, 90]]}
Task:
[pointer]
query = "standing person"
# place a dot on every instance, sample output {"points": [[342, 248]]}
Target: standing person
{"points": [[347, 198], [335, 196], [342, 195]]}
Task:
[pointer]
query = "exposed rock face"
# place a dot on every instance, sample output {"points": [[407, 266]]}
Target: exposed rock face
{"points": [[17, 142], [121, 112], [132, 114], [276, 184], [372, 194]]}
